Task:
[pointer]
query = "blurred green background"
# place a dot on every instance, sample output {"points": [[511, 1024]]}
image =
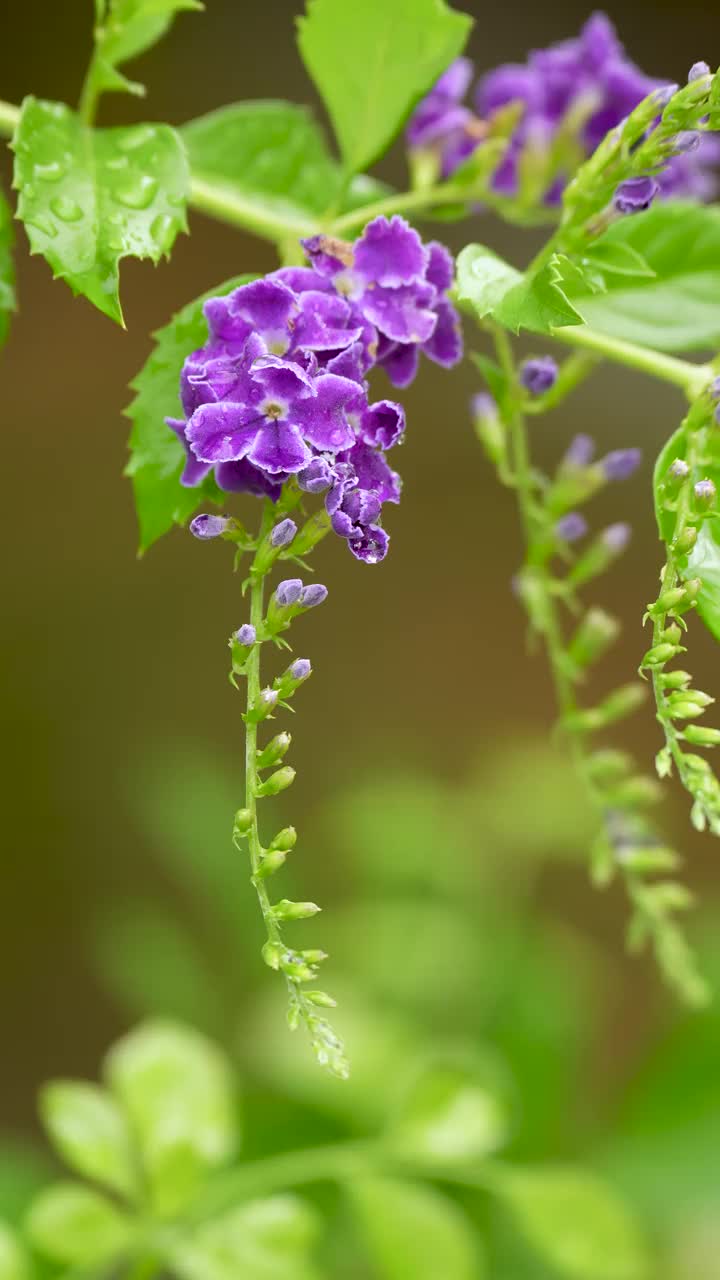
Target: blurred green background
{"points": [[438, 826]]}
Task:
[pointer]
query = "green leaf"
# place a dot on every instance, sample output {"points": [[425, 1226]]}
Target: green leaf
{"points": [[273, 161], [73, 1224], [703, 562], [372, 62], [451, 1111], [89, 198], [7, 271], [127, 28], [178, 1092], [90, 1133], [498, 291], [413, 1230], [156, 455], [677, 307], [261, 1240], [13, 1263], [575, 1222]]}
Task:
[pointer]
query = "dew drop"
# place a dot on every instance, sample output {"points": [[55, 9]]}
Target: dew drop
{"points": [[162, 229], [138, 194], [136, 137], [51, 172], [66, 209]]}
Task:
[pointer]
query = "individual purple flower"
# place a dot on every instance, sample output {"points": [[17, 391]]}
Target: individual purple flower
{"points": [[539, 375], [678, 470], [313, 595], [697, 71], [283, 533], [441, 124], [705, 493], [635, 195], [246, 635], [620, 463], [287, 593], [209, 526], [580, 451], [300, 669], [571, 527]]}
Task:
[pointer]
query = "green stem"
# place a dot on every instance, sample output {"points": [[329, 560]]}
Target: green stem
{"points": [[225, 203], [691, 378]]}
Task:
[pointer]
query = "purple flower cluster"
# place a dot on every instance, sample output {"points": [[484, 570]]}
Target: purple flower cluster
{"points": [[588, 79], [280, 388]]}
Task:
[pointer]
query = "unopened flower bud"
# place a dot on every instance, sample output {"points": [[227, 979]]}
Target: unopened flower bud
{"points": [[277, 782], [283, 533], [686, 541], [671, 634], [635, 195], [242, 822], [273, 954], [274, 752], [539, 375], [621, 463], [705, 494], [293, 677], [321, 999], [675, 679], [269, 864], [697, 71], [701, 736], [264, 706], [300, 669], [285, 839], [580, 451], [313, 595], [666, 601], [571, 527], [662, 96], [488, 426], [684, 710], [246, 635], [659, 654], [695, 696], [594, 636], [287, 593], [677, 472], [316, 476], [209, 526], [287, 910]]}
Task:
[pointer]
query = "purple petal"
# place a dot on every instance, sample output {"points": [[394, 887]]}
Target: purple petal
{"points": [[243, 477], [323, 419], [316, 476], [382, 424], [401, 363], [390, 253], [222, 432], [440, 267], [300, 279], [373, 473], [445, 346], [372, 547], [285, 379], [279, 447], [402, 314], [324, 323], [194, 471], [349, 363], [266, 306]]}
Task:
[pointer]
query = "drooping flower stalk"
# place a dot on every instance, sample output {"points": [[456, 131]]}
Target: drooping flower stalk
{"points": [[627, 843]]}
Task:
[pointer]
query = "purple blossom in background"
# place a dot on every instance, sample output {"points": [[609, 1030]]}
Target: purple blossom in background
{"points": [[279, 389], [588, 78], [617, 536], [580, 451], [621, 463], [539, 375], [572, 527]]}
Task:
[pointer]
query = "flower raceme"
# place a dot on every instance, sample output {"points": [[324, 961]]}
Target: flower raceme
{"points": [[571, 95], [280, 388]]}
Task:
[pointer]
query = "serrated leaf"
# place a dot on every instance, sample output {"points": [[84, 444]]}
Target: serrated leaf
{"points": [[496, 290], [261, 1240], [13, 1262], [90, 1133], [413, 1230], [127, 28], [7, 271], [272, 158], [156, 454], [91, 197], [73, 1224], [616, 257], [703, 561], [575, 1222], [677, 307], [372, 62], [177, 1090]]}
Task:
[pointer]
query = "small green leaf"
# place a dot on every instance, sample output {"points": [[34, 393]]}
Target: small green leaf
{"points": [[13, 1263], [615, 257], [372, 62], [450, 1111], [89, 198], [413, 1230], [73, 1224], [703, 561], [272, 158], [7, 272], [90, 1133], [156, 454], [261, 1240], [178, 1092], [496, 290], [127, 28], [575, 1222], [677, 306]]}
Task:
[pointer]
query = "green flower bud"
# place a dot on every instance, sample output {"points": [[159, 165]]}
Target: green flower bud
{"points": [[263, 706], [273, 954], [686, 541], [294, 968], [314, 957], [321, 998], [285, 840], [660, 654], [274, 751], [701, 736], [695, 696], [693, 587], [666, 601], [287, 910], [242, 822], [684, 710], [489, 428], [672, 634], [608, 766], [675, 679], [297, 673], [277, 782], [270, 863], [594, 636], [637, 793]]}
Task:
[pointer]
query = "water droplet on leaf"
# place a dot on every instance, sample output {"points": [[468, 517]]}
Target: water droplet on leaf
{"points": [[138, 194], [66, 209]]}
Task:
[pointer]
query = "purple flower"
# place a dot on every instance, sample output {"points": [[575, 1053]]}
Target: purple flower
{"points": [[616, 537], [539, 375], [300, 669], [441, 124], [679, 469], [621, 463], [482, 405], [287, 593], [246, 635], [283, 533], [580, 451], [635, 195], [571, 527], [313, 595], [705, 493], [208, 526], [697, 71]]}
